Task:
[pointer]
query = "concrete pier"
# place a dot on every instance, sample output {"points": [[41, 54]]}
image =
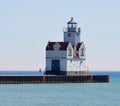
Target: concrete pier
{"points": [[53, 79]]}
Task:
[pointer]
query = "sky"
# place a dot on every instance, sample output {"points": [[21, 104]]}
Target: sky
{"points": [[26, 26]]}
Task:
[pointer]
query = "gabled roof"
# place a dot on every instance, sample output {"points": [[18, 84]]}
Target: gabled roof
{"points": [[63, 45], [78, 46]]}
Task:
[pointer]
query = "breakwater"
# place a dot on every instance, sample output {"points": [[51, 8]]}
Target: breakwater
{"points": [[53, 79]]}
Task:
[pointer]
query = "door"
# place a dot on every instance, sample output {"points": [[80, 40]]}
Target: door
{"points": [[55, 65]]}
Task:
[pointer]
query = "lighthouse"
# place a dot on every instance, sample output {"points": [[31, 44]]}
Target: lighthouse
{"points": [[72, 33], [67, 57]]}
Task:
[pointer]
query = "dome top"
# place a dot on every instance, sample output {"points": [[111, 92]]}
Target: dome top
{"points": [[72, 21]]}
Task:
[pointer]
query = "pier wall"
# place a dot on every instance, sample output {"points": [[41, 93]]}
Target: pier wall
{"points": [[53, 79]]}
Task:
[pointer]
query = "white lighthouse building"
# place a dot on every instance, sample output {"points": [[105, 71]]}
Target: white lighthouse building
{"points": [[67, 57]]}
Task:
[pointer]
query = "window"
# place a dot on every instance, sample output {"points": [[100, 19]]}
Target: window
{"points": [[56, 46], [69, 52], [82, 52], [78, 34], [69, 34], [72, 25]]}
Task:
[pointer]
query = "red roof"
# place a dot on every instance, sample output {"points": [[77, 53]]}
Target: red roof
{"points": [[76, 56], [63, 45], [78, 46]]}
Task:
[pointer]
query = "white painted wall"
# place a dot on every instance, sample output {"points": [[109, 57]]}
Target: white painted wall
{"points": [[70, 39], [69, 46], [58, 54], [63, 64], [73, 65], [74, 39], [48, 64], [80, 50], [83, 66], [67, 63]]}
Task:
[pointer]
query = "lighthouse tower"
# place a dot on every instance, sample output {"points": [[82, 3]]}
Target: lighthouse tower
{"points": [[72, 33], [67, 57]]}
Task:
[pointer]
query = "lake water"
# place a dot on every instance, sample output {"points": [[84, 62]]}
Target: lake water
{"points": [[69, 94]]}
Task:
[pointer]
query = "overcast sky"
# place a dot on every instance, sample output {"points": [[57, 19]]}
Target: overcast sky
{"points": [[26, 26]]}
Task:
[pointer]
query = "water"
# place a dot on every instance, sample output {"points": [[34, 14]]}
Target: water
{"points": [[21, 73], [73, 94]]}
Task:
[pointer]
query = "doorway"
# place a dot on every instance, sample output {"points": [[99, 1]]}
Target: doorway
{"points": [[56, 65]]}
